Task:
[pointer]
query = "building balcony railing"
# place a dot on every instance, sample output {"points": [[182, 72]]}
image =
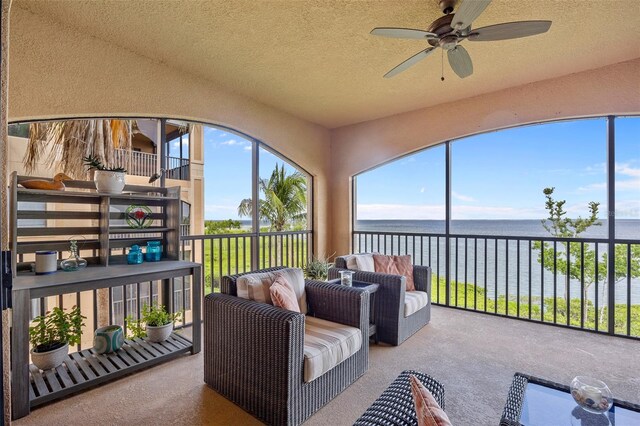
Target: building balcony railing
{"points": [[137, 163], [575, 283], [178, 168]]}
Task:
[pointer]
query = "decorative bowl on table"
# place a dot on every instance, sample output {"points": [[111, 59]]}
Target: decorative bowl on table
{"points": [[591, 394]]}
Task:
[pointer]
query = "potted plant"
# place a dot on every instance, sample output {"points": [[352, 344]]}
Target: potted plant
{"points": [[317, 269], [155, 323], [109, 180], [51, 334]]}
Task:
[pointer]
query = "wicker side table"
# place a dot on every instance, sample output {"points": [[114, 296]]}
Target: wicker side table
{"points": [[372, 289]]}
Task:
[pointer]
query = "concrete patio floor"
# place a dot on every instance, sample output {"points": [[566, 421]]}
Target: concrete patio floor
{"points": [[473, 355]]}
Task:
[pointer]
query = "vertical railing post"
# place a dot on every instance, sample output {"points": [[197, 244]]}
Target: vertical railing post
{"points": [[611, 222], [255, 208], [447, 223]]}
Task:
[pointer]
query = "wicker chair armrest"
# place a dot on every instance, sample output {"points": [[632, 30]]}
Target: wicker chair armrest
{"points": [[228, 282], [242, 336], [422, 278], [344, 305]]}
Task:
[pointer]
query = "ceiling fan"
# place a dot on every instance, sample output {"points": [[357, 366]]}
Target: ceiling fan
{"points": [[448, 31]]}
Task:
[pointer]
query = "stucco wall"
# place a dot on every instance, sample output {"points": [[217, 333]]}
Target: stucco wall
{"points": [[613, 89], [55, 71]]}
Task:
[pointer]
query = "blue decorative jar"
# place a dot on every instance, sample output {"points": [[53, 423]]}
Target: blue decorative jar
{"points": [[135, 255], [154, 251], [108, 339]]}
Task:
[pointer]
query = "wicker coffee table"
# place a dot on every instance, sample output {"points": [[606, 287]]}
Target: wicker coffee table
{"points": [[537, 402]]}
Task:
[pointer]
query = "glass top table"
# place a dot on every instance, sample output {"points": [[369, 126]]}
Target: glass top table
{"points": [[537, 402]]}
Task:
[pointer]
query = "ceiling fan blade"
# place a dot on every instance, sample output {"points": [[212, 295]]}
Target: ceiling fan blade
{"points": [[460, 61], [467, 12], [409, 62], [403, 33], [509, 30]]}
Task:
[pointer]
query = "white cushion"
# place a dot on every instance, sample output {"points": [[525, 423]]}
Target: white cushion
{"points": [[360, 262], [256, 286], [414, 301], [327, 344]]}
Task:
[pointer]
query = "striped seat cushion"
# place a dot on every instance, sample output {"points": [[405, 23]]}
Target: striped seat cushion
{"points": [[327, 344], [414, 301]]}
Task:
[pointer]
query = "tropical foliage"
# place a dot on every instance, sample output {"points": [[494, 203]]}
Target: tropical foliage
{"points": [[284, 202], [318, 268], [63, 144]]}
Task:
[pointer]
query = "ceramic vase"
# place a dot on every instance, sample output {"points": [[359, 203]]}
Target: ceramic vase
{"points": [[108, 339]]}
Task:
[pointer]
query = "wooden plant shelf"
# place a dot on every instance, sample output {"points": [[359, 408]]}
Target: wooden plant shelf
{"points": [[81, 370]]}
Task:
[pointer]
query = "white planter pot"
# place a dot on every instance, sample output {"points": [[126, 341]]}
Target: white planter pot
{"points": [[50, 359], [109, 182], [159, 334]]}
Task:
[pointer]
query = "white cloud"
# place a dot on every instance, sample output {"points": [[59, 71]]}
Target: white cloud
{"points": [[593, 187], [219, 209], [627, 179], [462, 197], [247, 147], [230, 142]]}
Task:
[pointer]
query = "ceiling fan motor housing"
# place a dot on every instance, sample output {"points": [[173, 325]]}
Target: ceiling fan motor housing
{"points": [[447, 6]]}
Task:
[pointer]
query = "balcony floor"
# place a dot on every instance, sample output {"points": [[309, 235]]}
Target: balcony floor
{"points": [[473, 355]]}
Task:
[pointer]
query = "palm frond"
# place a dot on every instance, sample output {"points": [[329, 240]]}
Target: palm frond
{"points": [[63, 144]]}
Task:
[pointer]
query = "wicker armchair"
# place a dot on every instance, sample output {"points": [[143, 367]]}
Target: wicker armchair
{"points": [[391, 324], [395, 406], [253, 352]]}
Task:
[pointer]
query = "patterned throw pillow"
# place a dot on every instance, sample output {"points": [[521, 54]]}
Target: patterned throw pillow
{"points": [[395, 265], [283, 295], [428, 410]]}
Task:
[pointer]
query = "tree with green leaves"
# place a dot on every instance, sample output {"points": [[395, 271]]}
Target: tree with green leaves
{"points": [[581, 264], [221, 226], [284, 199]]}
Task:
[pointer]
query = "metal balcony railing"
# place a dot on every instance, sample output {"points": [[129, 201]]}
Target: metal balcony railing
{"points": [[178, 168], [137, 163], [572, 284]]}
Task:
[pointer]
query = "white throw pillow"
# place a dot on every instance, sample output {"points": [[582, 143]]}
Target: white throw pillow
{"points": [[360, 262], [365, 263], [256, 286]]}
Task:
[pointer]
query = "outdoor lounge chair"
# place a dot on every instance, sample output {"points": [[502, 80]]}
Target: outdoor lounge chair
{"points": [[396, 406], [255, 354], [396, 318]]}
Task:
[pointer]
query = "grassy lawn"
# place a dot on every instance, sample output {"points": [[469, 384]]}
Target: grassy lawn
{"points": [[510, 307], [228, 256]]}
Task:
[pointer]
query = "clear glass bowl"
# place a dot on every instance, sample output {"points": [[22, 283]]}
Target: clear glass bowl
{"points": [[591, 394]]}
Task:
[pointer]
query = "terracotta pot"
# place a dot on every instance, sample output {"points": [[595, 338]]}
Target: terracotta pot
{"points": [[50, 359], [109, 182], [159, 334]]}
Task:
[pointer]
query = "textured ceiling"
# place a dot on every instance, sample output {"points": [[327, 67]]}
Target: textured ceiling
{"points": [[316, 59]]}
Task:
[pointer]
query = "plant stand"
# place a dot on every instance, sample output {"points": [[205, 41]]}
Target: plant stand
{"points": [[85, 369]]}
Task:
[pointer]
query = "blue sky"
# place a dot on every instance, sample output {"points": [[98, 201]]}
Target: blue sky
{"points": [[227, 172], [500, 175], [497, 175]]}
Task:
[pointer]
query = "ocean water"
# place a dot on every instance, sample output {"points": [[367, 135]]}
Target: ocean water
{"points": [[509, 266]]}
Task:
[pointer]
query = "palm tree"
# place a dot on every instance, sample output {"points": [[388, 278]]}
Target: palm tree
{"points": [[285, 199], [64, 144]]}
